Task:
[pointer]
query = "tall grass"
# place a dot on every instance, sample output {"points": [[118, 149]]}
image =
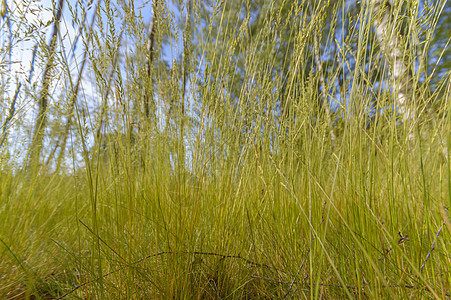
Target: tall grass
{"points": [[251, 190]]}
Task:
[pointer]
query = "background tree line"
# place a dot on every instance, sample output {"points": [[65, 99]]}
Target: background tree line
{"points": [[234, 64]]}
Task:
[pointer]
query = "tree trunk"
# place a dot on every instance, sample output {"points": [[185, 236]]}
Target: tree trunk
{"points": [[41, 120], [148, 93], [395, 54], [325, 104], [73, 99], [12, 110], [185, 74]]}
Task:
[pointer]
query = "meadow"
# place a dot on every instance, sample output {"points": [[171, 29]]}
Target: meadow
{"points": [[250, 174]]}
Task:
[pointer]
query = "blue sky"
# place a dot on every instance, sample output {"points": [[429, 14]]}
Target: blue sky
{"points": [[29, 23]]}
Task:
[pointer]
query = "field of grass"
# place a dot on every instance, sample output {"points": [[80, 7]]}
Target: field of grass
{"points": [[235, 200], [362, 220]]}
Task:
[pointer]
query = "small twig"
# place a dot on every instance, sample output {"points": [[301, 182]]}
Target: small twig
{"points": [[107, 274], [294, 279], [322, 214], [432, 247], [222, 256]]}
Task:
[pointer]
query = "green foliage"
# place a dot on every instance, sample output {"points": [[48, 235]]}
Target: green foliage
{"points": [[281, 170]]}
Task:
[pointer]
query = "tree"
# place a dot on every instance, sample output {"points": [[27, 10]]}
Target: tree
{"points": [[41, 119], [74, 90], [396, 51]]}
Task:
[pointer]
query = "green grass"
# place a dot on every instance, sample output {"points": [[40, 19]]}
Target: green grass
{"points": [[144, 234], [265, 205]]}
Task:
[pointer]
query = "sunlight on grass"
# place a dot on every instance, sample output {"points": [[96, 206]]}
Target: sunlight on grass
{"points": [[263, 181]]}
